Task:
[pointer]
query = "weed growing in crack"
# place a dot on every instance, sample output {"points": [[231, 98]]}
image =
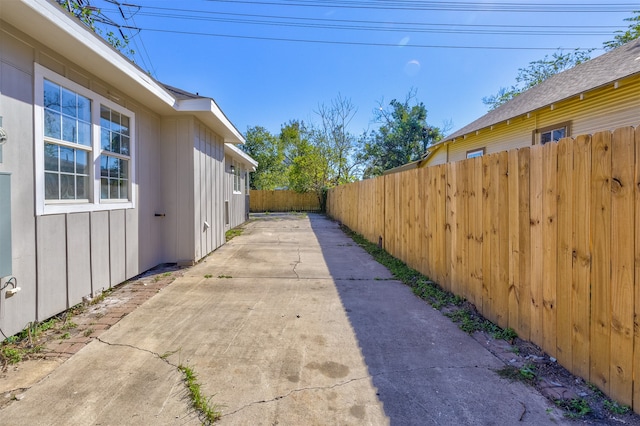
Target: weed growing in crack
{"points": [[198, 401], [208, 276], [232, 233], [88, 332], [575, 408], [526, 373], [225, 276]]}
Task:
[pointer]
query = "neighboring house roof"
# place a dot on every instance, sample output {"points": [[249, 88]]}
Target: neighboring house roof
{"points": [[48, 23], [605, 69]]}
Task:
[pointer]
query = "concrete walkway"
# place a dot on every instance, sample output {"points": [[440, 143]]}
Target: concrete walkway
{"points": [[290, 323]]}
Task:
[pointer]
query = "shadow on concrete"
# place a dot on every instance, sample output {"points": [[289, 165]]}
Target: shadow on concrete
{"points": [[425, 369]]}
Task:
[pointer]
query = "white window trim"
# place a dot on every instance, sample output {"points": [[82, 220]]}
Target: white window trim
{"points": [[237, 173], [473, 153], [94, 203]]}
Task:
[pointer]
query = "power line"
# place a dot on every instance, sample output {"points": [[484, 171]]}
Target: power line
{"points": [[363, 25], [356, 43], [449, 5]]}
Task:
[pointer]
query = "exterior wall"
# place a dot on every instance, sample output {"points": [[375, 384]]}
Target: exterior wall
{"points": [[606, 108], [60, 258], [208, 186], [237, 200]]}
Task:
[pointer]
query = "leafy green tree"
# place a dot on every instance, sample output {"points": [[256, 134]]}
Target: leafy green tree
{"points": [[268, 151], [622, 37], [306, 160], [537, 72], [403, 136]]}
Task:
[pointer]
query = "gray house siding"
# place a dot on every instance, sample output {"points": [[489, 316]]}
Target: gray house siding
{"points": [[59, 259]]}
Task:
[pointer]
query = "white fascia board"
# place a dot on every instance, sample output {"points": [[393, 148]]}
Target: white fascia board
{"points": [[52, 26], [236, 152], [212, 115]]}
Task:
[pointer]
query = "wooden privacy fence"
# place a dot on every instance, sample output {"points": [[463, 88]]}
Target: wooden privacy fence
{"points": [[543, 239], [282, 201]]}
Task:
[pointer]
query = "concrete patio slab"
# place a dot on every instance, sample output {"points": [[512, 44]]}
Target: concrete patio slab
{"points": [[290, 323]]}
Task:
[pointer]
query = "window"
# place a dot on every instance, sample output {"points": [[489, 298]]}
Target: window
{"points": [[67, 143], [114, 159], [237, 188], [552, 133], [84, 148], [475, 153]]}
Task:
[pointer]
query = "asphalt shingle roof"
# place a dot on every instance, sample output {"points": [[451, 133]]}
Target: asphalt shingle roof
{"points": [[621, 62]]}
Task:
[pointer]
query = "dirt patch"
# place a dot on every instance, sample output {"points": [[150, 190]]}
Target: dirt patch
{"points": [[580, 400]]}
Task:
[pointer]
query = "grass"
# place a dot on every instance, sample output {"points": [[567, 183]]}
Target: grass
{"points": [[198, 400], [208, 276], [232, 233]]}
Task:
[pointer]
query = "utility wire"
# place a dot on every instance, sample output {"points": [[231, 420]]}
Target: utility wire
{"points": [[355, 43], [383, 26], [450, 5]]}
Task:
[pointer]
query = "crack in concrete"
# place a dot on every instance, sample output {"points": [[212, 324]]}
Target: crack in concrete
{"points": [[296, 263], [291, 392], [162, 357]]}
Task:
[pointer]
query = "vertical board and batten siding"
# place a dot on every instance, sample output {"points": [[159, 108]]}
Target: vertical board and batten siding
{"points": [[282, 201], [542, 239], [60, 258]]}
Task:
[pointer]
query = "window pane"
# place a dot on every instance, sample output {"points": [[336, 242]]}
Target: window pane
{"points": [[124, 121], [67, 187], [124, 145], [51, 188], [558, 134], [113, 189], [51, 157], [545, 137], [124, 189], [67, 160], [68, 129], [105, 139], [124, 169], [115, 142], [105, 117], [51, 95], [104, 188], [115, 121], [113, 168], [104, 166], [69, 103], [82, 187], [84, 133], [52, 124], [82, 162], [84, 108]]}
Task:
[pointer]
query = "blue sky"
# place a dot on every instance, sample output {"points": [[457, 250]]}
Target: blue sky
{"points": [[242, 53]]}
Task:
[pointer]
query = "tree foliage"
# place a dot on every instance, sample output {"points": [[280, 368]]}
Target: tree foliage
{"points": [[91, 16], [268, 151], [403, 136], [622, 37]]}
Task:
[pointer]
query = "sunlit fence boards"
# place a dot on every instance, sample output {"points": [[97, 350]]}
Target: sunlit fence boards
{"points": [[543, 239], [282, 201]]}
